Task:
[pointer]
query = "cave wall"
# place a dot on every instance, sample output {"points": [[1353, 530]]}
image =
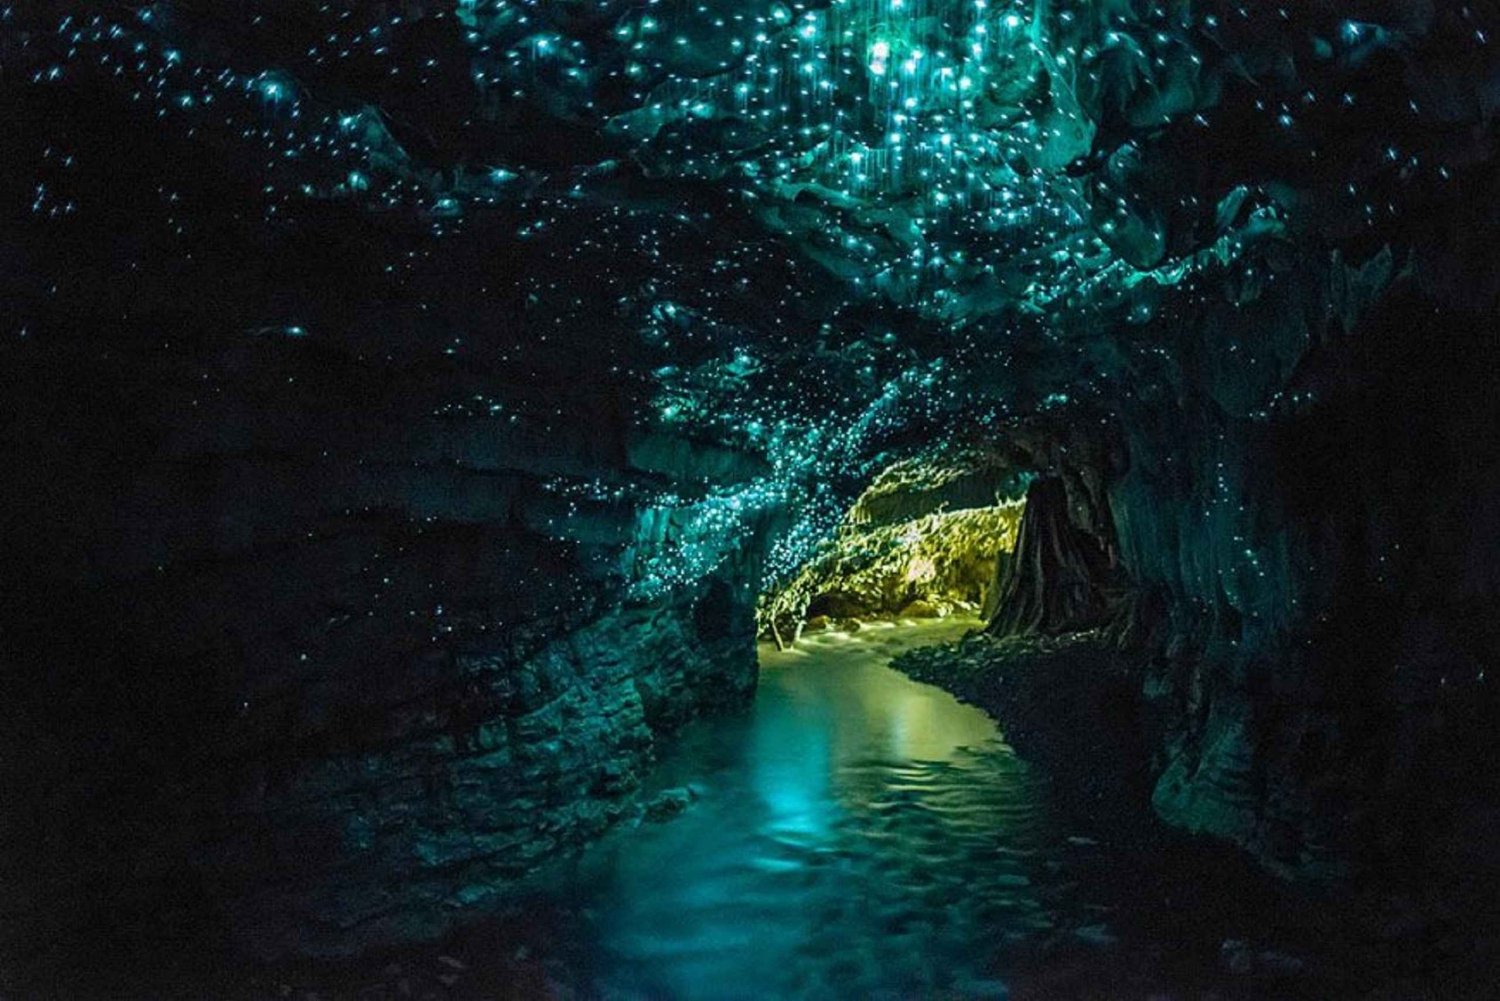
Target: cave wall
{"points": [[922, 540], [1310, 516], [1291, 519], [321, 648]]}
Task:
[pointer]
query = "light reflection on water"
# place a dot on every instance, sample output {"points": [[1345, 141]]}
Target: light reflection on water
{"points": [[856, 834]]}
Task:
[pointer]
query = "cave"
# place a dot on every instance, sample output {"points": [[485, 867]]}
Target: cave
{"points": [[923, 540], [749, 498]]}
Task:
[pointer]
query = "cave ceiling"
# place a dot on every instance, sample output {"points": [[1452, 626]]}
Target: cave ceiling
{"points": [[822, 231]]}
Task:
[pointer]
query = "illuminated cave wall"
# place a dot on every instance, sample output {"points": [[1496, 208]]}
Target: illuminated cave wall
{"points": [[383, 365], [926, 539]]}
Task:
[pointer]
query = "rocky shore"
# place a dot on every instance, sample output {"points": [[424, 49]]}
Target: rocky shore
{"points": [[1185, 910]]}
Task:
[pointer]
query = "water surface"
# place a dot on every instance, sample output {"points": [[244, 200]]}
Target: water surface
{"points": [[854, 834]]}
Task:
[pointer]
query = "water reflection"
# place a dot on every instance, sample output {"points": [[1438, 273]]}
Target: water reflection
{"points": [[856, 834]]}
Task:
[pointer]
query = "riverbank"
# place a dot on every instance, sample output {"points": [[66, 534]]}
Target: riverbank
{"points": [[855, 834], [1070, 705], [1186, 916]]}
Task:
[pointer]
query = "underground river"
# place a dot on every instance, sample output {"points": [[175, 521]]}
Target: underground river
{"points": [[856, 833], [853, 834]]}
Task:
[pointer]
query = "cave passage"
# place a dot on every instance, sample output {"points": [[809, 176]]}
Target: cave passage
{"points": [[922, 541], [855, 834], [449, 439]]}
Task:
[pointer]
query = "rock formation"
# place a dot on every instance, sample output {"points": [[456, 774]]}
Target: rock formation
{"points": [[407, 403], [1053, 581]]}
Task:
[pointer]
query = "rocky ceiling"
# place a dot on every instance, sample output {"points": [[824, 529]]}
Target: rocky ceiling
{"points": [[825, 231]]}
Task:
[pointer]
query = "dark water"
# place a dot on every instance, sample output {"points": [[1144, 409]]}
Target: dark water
{"points": [[855, 834]]}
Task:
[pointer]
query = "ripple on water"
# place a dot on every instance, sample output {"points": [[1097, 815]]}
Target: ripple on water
{"points": [[858, 834]]}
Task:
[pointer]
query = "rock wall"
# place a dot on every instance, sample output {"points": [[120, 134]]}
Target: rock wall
{"points": [[1311, 529], [1054, 581], [325, 649], [921, 541], [1291, 516]]}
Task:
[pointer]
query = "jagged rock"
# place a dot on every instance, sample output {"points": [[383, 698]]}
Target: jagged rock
{"points": [[669, 803]]}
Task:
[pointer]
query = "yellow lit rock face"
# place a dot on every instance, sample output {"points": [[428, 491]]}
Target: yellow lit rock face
{"points": [[928, 566], [920, 569]]}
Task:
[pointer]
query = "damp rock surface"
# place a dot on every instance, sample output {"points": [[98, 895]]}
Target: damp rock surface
{"points": [[410, 406], [1191, 913]]}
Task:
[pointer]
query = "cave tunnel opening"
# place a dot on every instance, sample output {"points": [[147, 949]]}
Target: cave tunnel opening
{"points": [[924, 540], [1017, 536]]}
